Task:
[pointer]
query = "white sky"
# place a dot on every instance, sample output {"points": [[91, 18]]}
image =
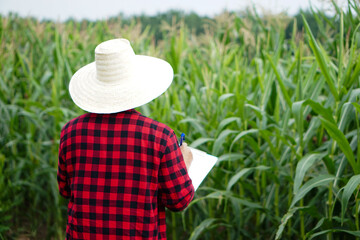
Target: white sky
{"points": [[101, 9]]}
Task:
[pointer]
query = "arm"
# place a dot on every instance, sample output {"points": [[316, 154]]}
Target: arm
{"points": [[175, 187], [62, 176]]}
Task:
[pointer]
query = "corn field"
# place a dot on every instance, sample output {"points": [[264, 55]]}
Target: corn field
{"points": [[281, 113]]}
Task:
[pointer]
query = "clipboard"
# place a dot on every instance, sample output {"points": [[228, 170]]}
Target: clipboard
{"points": [[200, 167]]}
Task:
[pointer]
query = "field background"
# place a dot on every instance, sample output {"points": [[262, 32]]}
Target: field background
{"points": [[276, 98]]}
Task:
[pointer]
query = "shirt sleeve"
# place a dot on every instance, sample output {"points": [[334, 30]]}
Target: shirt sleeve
{"points": [[175, 187], [62, 176]]}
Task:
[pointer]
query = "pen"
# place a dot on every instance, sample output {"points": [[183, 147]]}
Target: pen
{"points": [[182, 138]]}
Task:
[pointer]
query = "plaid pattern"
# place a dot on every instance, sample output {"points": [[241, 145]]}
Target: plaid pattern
{"points": [[120, 171]]}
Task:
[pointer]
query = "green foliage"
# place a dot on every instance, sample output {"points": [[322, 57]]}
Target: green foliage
{"points": [[279, 108]]}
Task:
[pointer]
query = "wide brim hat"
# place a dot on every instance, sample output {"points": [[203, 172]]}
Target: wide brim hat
{"points": [[119, 80]]}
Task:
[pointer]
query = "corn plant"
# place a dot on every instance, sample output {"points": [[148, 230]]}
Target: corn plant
{"points": [[281, 113]]}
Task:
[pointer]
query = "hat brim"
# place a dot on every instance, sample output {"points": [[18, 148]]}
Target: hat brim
{"points": [[151, 78]]}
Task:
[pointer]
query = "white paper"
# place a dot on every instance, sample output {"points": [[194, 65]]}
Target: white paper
{"points": [[201, 165]]}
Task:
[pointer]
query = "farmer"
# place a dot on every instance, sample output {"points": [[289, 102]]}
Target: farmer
{"points": [[119, 168]]}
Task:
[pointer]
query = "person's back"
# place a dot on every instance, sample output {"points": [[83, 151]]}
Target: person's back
{"points": [[120, 170]]}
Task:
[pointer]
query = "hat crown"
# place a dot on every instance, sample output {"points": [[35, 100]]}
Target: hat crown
{"points": [[114, 60]]}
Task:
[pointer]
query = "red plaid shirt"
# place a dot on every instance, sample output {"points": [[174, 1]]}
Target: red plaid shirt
{"points": [[120, 171]]}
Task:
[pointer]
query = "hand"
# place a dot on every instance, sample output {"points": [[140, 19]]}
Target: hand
{"points": [[187, 155]]}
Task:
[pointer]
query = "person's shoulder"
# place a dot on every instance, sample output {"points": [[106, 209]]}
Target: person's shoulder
{"points": [[75, 121], [155, 125]]}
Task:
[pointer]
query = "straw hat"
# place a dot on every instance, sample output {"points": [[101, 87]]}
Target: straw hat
{"points": [[119, 80]]}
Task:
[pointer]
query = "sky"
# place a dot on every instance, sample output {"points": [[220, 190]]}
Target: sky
{"points": [[61, 10]]}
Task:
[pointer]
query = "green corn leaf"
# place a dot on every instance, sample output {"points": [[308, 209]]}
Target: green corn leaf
{"points": [[357, 107], [34, 186], [202, 227], [347, 109], [234, 179], [226, 122], [200, 141], [341, 140], [349, 189], [259, 113], [343, 162], [231, 157], [322, 180], [318, 225], [330, 165], [284, 91], [216, 194], [311, 131], [237, 176], [266, 135], [341, 50], [346, 115], [221, 139], [356, 72], [297, 109], [353, 233], [321, 58], [285, 219], [318, 108], [348, 79], [196, 125], [249, 204], [242, 134], [225, 96], [304, 164], [336, 6]]}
